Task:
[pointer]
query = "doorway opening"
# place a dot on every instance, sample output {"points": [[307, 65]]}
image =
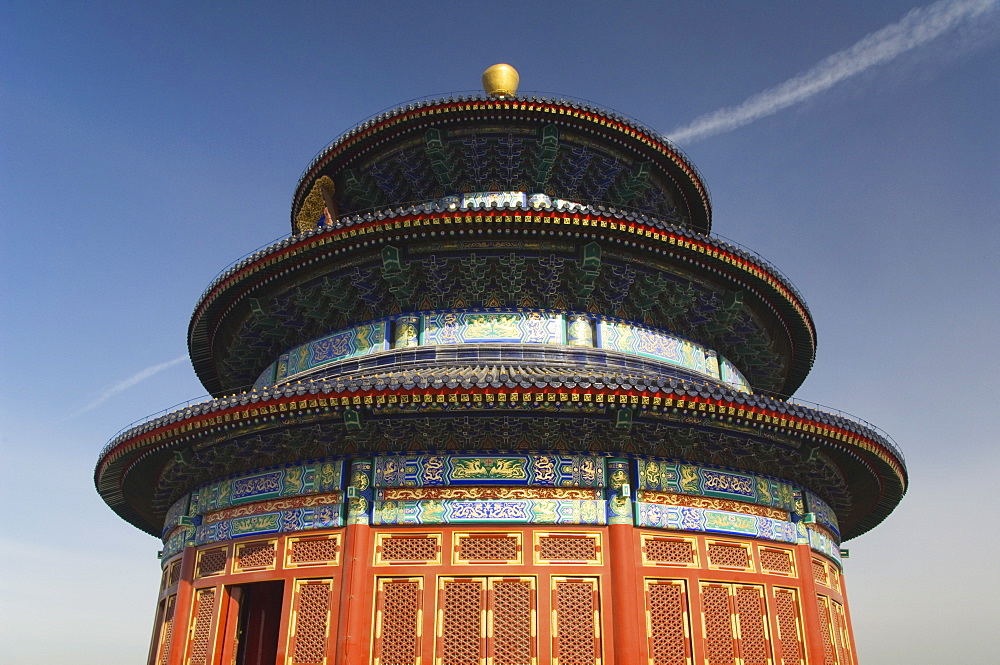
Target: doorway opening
{"points": [[253, 620]]}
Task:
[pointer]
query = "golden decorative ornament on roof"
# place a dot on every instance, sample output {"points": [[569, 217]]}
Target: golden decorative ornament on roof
{"points": [[501, 80]]}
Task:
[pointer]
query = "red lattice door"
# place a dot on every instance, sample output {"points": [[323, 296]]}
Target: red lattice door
{"points": [[734, 623], [788, 640], [398, 618], [486, 620], [667, 622], [311, 622], [576, 631], [200, 633], [842, 634]]}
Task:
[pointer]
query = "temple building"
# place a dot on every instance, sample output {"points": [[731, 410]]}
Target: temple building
{"points": [[500, 398]]}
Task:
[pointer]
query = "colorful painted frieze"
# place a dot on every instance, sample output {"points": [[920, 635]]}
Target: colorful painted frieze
{"points": [[682, 478], [515, 511], [349, 343], [824, 514], [487, 492], [642, 341], [822, 543], [732, 376], [324, 516], [315, 478], [533, 327], [688, 500], [177, 540], [541, 469], [175, 513], [682, 518]]}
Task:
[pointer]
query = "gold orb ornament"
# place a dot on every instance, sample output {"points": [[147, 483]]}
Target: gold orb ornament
{"points": [[501, 81]]}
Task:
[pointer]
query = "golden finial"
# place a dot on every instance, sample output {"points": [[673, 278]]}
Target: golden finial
{"points": [[501, 81]]}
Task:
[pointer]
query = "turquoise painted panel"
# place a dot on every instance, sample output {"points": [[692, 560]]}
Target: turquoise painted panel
{"points": [[316, 478], [619, 505], [820, 542], [349, 343], [658, 516], [733, 376], [638, 340], [175, 513], [514, 511], [479, 327], [682, 478], [824, 513], [178, 540], [540, 469], [280, 521]]}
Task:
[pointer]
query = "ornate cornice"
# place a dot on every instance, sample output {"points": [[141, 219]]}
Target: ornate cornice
{"points": [[311, 253], [879, 475]]}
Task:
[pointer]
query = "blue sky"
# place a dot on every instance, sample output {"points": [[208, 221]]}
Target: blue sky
{"points": [[146, 146]]}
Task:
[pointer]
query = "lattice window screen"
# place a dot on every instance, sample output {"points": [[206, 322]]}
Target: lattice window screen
{"points": [[488, 548], [211, 562], [819, 572], [728, 556], [175, 573], [576, 639], [255, 555], [512, 629], [311, 622], [789, 638], [776, 561], [409, 548], [567, 548], [667, 614], [664, 550], [462, 627], [314, 551], [201, 627], [397, 622]]}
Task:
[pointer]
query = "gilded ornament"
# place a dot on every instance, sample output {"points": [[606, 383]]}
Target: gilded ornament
{"points": [[501, 81]]}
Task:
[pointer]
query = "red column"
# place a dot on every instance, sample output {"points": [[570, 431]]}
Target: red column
{"points": [[810, 610], [356, 593], [353, 644], [627, 599]]}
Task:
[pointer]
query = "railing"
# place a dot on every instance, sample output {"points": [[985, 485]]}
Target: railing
{"points": [[816, 406], [201, 399]]}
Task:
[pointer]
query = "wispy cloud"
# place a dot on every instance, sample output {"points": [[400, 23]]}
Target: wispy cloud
{"points": [[129, 382], [915, 29]]}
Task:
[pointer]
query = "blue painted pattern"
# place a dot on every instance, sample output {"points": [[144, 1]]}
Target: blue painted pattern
{"points": [[682, 518]]}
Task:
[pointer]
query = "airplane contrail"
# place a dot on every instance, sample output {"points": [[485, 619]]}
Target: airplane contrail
{"points": [[916, 28], [130, 381]]}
